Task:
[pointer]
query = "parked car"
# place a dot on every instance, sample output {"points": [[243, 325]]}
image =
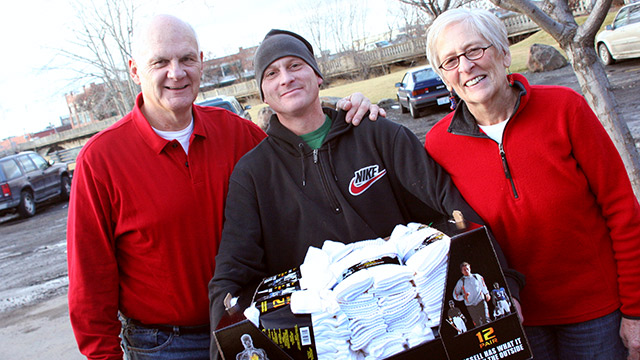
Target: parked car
{"points": [[421, 88], [228, 102], [621, 39], [377, 45], [27, 179]]}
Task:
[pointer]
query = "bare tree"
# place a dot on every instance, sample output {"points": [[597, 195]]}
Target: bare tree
{"points": [[556, 18], [333, 25], [103, 44], [436, 7], [315, 23], [413, 22]]}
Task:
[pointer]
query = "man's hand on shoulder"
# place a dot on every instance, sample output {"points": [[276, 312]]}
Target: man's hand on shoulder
{"points": [[356, 105]]}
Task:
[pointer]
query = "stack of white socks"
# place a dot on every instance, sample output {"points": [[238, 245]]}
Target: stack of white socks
{"points": [[377, 294], [372, 299], [330, 325], [426, 251]]}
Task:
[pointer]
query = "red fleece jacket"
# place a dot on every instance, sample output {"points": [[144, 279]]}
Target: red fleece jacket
{"points": [[145, 221], [568, 219]]}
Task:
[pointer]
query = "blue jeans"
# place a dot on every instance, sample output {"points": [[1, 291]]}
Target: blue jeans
{"points": [[139, 343], [597, 339]]}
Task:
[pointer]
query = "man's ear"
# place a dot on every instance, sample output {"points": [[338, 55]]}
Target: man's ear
{"points": [[133, 71], [320, 81], [264, 99]]}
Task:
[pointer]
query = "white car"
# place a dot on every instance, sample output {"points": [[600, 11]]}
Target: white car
{"points": [[621, 39]]}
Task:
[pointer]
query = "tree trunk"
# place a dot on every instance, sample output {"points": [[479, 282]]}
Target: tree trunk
{"points": [[597, 91], [577, 42]]}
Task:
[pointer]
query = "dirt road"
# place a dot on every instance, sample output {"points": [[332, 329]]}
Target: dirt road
{"points": [[34, 320]]}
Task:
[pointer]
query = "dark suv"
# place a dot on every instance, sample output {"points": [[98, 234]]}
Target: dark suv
{"points": [[27, 179], [228, 102]]}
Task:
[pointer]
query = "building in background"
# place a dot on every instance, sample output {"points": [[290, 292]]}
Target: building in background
{"points": [[227, 70]]}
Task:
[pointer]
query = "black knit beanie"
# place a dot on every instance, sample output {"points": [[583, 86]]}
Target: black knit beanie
{"points": [[278, 44]]}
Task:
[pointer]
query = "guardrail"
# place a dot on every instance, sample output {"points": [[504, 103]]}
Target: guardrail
{"points": [[66, 156], [519, 24], [67, 135], [239, 90], [355, 61]]}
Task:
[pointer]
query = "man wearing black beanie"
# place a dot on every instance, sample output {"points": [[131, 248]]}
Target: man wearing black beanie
{"points": [[278, 44], [316, 177]]}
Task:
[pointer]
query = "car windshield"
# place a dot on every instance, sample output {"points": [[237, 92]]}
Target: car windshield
{"points": [[634, 14], [621, 19], [424, 75], [224, 105]]}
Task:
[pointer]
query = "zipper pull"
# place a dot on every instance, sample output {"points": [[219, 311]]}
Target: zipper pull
{"points": [[315, 156], [505, 165]]}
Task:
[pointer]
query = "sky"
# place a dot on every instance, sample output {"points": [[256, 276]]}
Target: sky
{"points": [[35, 77]]}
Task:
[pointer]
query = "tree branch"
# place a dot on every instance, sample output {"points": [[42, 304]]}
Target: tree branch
{"points": [[544, 20], [587, 31]]}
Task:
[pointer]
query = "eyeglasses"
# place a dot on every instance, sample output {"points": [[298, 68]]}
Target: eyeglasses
{"points": [[452, 63]]}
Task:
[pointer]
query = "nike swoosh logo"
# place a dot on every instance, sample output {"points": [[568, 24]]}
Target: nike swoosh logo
{"points": [[356, 190]]}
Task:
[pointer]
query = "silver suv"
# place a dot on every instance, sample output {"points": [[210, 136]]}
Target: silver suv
{"points": [[27, 179]]}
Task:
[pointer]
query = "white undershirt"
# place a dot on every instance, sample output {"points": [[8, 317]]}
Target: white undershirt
{"points": [[494, 131], [182, 136]]}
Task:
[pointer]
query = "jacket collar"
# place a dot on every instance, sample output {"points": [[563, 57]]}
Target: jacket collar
{"points": [[150, 137], [294, 144], [464, 123]]}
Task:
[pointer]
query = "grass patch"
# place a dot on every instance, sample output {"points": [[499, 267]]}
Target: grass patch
{"points": [[520, 51]]}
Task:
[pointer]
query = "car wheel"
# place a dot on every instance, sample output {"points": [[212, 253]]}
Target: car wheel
{"points": [[27, 206], [65, 187], [604, 54], [403, 109], [414, 112]]}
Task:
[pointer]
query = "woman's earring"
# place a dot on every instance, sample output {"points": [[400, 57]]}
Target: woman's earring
{"points": [[510, 77], [452, 101]]}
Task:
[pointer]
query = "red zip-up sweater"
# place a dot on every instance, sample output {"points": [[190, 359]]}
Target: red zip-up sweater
{"points": [[144, 224], [567, 218]]}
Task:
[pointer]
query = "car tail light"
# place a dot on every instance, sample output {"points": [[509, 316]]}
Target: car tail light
{"points": [[419, 92], [6, 190]]}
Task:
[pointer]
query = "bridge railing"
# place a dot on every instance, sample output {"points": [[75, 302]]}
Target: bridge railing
{"points": [[518, 24], [66, 156], [239, 90], [354, 61]]}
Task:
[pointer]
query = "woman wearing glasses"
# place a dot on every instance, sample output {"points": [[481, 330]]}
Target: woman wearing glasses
{"points": [[539, 168]]}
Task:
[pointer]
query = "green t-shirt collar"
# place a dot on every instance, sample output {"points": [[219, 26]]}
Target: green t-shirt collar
{"points": [[315, 138]]}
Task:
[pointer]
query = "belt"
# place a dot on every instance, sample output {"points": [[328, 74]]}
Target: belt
{"points": [[198, 329]]}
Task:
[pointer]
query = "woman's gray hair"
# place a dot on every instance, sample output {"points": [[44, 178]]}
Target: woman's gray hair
{"points": [[481, 22]]}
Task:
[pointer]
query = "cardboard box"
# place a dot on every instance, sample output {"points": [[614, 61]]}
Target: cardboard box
{"points": [[501, 338]]}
